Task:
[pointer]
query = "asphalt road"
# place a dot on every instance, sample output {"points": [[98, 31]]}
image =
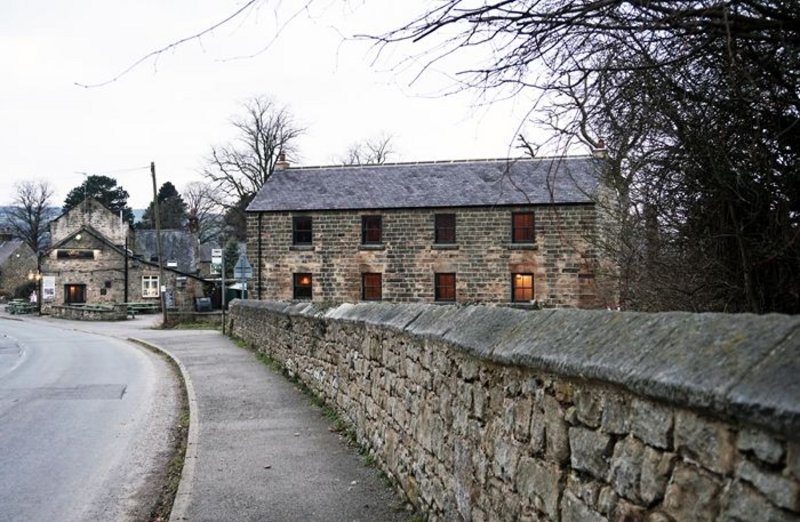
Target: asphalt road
{"points": [[85, 424]]}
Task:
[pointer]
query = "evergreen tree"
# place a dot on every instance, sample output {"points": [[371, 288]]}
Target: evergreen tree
{"points": [[106, 191], [171, 208], [231, 255]]}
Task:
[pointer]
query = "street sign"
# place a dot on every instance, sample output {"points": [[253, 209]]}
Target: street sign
{"points": [[242, 269], [216, 260]]}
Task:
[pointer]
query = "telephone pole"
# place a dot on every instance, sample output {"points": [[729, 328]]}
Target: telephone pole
{"points": [[161, 282]]}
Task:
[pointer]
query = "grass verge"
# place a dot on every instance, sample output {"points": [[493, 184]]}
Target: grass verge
{"points": [[194, 326], [162, 508]]}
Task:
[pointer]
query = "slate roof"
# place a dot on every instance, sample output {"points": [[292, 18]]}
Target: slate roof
{"points": [[430, 185], [7, 248], [176, 245]]}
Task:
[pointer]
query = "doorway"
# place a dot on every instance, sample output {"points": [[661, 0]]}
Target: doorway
{"points": [[74, 294]]}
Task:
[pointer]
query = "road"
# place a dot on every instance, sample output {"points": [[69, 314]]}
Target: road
{"points": [[85, 424]]}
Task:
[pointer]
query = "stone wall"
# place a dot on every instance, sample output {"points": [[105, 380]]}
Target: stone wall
{"points": [[92, 213], [485, 414], [563, 259], [15, 270], [90, 313], [212, 319]]}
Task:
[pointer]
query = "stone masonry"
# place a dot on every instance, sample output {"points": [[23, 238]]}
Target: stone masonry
{"points": [[563, 260], [484, 414]]}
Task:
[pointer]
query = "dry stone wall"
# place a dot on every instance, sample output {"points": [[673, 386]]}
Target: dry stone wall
{"points": [[484, 413]]}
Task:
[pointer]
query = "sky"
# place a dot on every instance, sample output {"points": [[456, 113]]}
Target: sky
{"points": [[172, 109]]}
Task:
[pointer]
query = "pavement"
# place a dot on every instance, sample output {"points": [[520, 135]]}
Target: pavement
{"points": [[258, 450]]}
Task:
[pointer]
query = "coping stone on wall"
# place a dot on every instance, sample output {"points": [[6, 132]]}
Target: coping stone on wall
{"points": [[477, 329], [292, 308], [771, 391], [392, 316], [434, 321], [695, 360]]}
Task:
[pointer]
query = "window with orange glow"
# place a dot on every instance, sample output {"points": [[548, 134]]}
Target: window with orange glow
{"points": [[302, 286], [522, 288]]}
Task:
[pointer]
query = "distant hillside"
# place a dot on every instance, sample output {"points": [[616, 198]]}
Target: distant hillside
{"points": [[54, 211], [137, 213]]}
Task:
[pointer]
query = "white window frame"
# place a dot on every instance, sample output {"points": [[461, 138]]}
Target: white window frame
{"points": [[148, 288]]}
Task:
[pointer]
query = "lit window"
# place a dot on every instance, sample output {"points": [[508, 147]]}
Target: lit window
{"points": [[522, 227], [301, 230], [302, 286], [445, 287], [445, 228], [371, 230], [150, 287], [522, 288], [371, 287]]}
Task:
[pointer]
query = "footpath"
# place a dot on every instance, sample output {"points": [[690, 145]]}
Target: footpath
{"points": [[258, 450]]}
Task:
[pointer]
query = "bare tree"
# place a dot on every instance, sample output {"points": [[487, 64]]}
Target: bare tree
{"points": [[30, 213], [205, 215], [236, 171], [371, 151], [698, 104]]}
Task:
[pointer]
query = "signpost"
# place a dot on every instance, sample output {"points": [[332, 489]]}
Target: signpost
{"points": [[243, 271]]}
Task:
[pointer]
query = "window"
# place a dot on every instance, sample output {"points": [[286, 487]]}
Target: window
{"points": [[150, 286], [74, 294], [371, 287], [445, 228], [371, 230], [522, 288], [522, 227], [445, 287], [301, 230], [74, 253], [302, 286]]}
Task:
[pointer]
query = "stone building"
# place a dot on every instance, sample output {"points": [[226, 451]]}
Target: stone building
{"points": [[96, 257], [17, 264], [494, 231]]}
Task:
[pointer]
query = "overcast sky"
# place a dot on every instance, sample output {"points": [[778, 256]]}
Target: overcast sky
{"points": [[172, 110]]}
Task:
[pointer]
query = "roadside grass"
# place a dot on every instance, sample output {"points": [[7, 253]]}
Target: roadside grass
{"points": [[338, 424], [173, 471], [195, 326]]}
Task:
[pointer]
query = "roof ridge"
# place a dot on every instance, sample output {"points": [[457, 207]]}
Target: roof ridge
{"points": [[442, 162]]}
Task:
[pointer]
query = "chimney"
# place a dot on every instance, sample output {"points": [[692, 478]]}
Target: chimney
{"points": [[281, 164], [600, 151]]}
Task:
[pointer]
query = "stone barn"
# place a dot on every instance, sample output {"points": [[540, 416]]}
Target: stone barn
{"points": [[522, 232]]}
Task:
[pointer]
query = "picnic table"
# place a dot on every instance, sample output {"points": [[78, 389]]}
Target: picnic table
{"points": [[20, 306], [143, 308]]}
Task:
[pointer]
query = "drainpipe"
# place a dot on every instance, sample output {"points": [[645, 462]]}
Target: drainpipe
{"points": [[126, 269], [260, 262]]}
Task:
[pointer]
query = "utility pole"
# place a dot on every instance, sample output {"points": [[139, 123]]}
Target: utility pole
{"points": [[161, 282], [223, 293], [125, 298]]}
